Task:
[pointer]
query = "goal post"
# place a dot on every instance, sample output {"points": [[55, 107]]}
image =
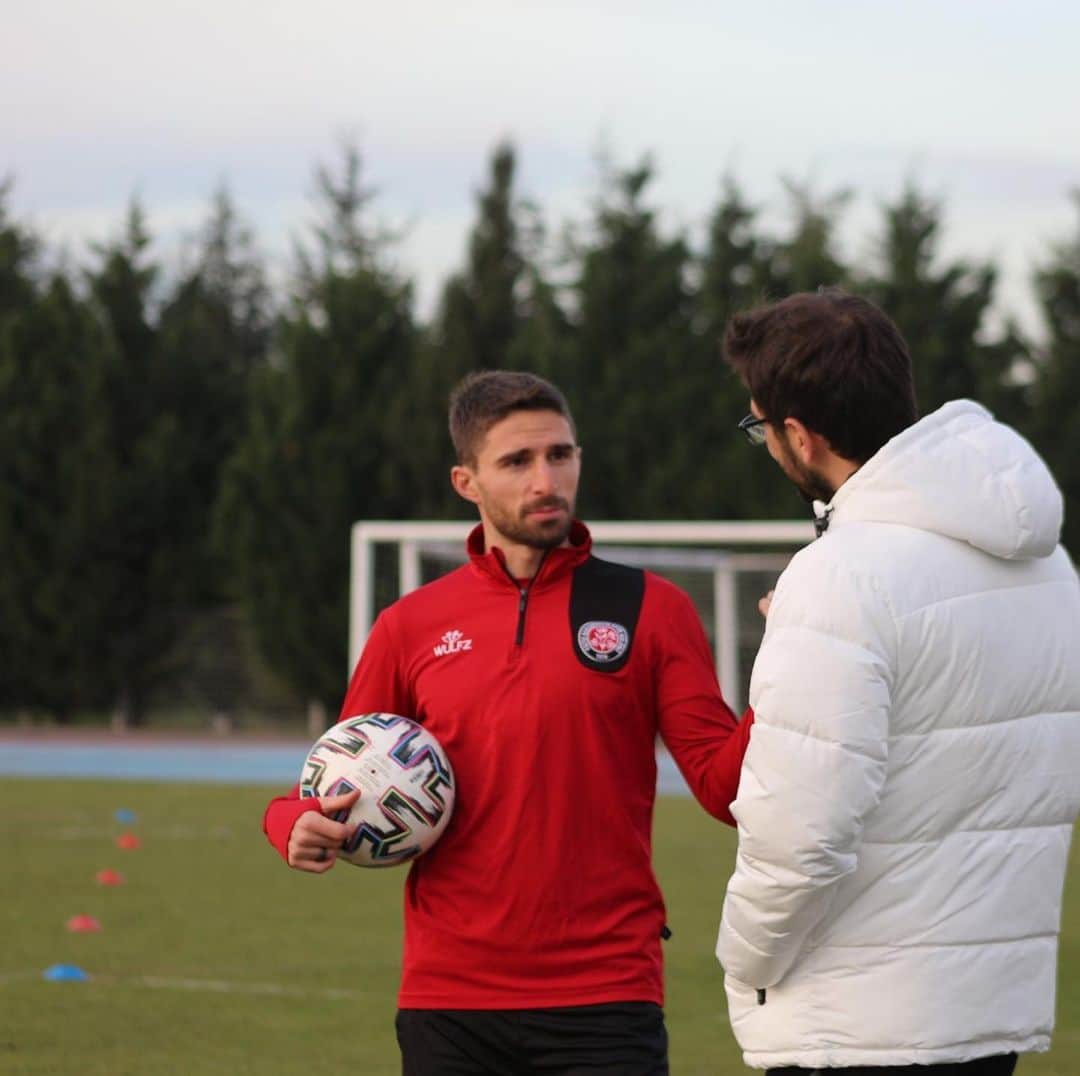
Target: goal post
{"points": [[724, 566]]}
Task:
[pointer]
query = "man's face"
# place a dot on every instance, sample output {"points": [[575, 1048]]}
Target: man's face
{"points": [[810, 483], [525, 478]]}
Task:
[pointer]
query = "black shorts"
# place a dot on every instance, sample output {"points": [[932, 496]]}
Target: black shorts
{"points": [[624, 1038]]}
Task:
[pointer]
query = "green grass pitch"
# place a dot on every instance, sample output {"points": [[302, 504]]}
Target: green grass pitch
{"points": [[214, 958]]}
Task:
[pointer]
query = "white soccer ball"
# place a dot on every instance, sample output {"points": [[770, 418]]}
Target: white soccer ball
{"points": [[405, 781]]}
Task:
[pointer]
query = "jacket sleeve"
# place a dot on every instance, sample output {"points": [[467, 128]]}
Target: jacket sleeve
{"points": [[280, 816], [377, 685], [697, 726], [815, 766]]}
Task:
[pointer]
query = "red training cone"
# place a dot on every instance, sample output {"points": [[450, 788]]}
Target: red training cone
{"points": [[109, 878], [127, 841], [83, 924]]}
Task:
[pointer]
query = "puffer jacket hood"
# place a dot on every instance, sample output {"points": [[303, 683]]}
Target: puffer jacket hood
{"points": [[959, 473]]}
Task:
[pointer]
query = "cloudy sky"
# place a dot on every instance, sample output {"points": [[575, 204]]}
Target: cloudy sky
{"points": [[978, 101]]}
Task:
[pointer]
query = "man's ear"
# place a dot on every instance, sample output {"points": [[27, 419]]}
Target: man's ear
{"points": [[464, 483], [800, 440], [809, 447]]}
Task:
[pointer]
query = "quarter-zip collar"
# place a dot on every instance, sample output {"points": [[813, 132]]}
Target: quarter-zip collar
{"points": [[557, 562]]}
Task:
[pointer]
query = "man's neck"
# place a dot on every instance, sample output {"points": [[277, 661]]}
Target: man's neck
{"points": [[522, 561], [838, 470]]}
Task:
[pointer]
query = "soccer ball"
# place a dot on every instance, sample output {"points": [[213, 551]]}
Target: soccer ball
{"points": [[405, 781]]}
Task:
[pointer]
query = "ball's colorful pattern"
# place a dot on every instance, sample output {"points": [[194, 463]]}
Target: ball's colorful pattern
{"points": [[405, 780]]}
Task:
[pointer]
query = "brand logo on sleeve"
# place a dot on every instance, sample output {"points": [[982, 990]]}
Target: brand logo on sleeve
{"points": [[603, 641], [453, 642]]}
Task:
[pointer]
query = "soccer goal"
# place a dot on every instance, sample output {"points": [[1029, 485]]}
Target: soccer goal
{"points": [[724, 567]]}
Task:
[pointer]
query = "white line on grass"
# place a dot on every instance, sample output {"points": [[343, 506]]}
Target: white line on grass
{"points": [[210, 986], [218, 986]]}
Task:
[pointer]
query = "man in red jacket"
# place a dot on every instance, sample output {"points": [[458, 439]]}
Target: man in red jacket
{"points": [[533, 928]]}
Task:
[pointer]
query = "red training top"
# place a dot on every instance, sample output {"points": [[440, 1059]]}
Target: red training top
{"points": [[541, 891]]}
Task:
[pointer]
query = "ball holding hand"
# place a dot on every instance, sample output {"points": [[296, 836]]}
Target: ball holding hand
{"points": [[316, 838]]}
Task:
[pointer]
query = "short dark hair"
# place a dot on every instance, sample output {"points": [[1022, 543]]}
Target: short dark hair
{"points": [[482, 399], [832, 360]]}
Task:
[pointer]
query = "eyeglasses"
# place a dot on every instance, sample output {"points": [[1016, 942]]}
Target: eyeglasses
{"points": [[754, 428]]}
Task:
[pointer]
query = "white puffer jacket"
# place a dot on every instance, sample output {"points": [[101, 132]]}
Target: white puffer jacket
{"points": [[913, 775]]}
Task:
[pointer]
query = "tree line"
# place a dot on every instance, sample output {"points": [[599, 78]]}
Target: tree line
{"points": [[182, 454]]}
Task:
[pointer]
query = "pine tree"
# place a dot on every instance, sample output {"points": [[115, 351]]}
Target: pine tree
{"points": [[1056, 422], [481, 312], [19, 250], [321, 447], [634, 341], [49, 652], [213, 334], [140, 542], [731, 480], [807, 259], [941, 311], [735, 265], [497, 312]]}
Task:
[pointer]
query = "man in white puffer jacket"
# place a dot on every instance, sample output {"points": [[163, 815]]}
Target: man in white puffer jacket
{"points": [[908, 796]]}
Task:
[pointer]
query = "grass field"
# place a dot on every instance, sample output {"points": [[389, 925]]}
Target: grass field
{"points": [[214, 958]]}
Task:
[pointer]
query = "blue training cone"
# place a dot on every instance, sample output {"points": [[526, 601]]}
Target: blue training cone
{"points": [[65, 973], [125, 816]]}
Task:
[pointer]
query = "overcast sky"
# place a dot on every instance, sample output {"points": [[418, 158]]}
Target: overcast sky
{"points": [[978, 101]]}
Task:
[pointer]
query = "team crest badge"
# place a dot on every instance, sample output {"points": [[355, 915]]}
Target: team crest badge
{"points": [[603, 641]]}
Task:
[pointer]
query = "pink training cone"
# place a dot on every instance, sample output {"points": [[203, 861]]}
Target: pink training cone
{"points": [[128, 841], [83, 924], [108, 877]]}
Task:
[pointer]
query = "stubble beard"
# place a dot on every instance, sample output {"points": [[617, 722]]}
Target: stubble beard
{"points": [[811, 485], [540, 534]]}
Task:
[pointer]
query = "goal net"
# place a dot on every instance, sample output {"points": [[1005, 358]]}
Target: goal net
{"points": [[724, 567]]}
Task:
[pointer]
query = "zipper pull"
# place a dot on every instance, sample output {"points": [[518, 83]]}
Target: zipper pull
{"points": [[761, 997], [523, 601]]}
